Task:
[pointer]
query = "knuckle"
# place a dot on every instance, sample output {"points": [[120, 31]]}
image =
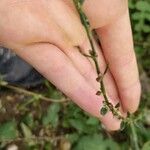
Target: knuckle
{"points": [[78, 36]]}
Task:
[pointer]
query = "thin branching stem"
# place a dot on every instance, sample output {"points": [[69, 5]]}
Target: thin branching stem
{"points": [[29, 93], [94, 56], [33, 138]]}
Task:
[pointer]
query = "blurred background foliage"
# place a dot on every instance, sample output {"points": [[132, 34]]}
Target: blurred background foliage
{"points": [[30, 123], [140, 18]]}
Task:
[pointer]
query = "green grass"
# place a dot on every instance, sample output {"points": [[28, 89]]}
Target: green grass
{"points": [[33, 123]]}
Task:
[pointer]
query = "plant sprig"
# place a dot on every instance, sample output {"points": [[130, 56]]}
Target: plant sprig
{"points": [[107, 106]]}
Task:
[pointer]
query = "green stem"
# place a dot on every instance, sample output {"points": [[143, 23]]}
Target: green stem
{"points": [[26, 92], [33, 138], [134, 136]]}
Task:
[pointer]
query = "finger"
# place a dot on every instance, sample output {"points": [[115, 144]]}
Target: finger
{"points": [[117, 43], [55, 66]]}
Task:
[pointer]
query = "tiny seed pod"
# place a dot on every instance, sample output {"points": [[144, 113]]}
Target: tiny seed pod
{"points": [[98, 93], [104, 103], [98, 79], [91, 52], [117, 105]]}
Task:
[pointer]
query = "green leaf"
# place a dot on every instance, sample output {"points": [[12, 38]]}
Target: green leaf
{"points": [[131, 5], [77, 124], [147, 16], [146, 28], [8, 130], [95, 142], [26, 130], [73, 137], [28, 134], [138, 16], [52, 115], [138, 27], [52, 92], [29, 121], [146, 146], [48, 146], [92, 121], [90, 143], [143, 6], [104, 111]]}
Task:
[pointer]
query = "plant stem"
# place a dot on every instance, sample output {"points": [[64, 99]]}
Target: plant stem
{"points": [[33, 138], [94, 56], [134, 136], [20, 90]]}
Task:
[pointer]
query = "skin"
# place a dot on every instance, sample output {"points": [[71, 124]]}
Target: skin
{"points": [[45, 33]]}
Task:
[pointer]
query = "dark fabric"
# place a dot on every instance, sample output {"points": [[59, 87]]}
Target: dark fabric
{"points": [[16, 71]]}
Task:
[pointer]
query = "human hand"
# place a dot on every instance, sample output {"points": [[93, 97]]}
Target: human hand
{"points": [[45, 34]]}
